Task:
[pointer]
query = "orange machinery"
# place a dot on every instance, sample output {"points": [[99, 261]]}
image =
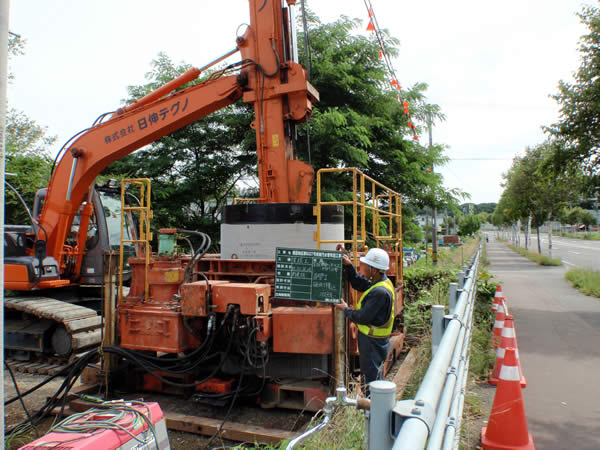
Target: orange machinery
{"points": [[275, 85], [190, 318]]}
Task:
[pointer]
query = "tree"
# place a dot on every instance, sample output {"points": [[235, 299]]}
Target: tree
{"points": [[468, 225], [27, 154], [533, 191], [574, 215], [193, 170], [358, 122], [587, 219], [578, 130], [25, 137], [483, 217]]}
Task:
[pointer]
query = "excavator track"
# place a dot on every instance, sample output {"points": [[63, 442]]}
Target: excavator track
{"points": [[46, 326]]}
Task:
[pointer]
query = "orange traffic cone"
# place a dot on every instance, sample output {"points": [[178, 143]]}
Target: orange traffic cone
{"points": [[507, 427], [495, 374], [498, 326], [509, 339], [497, 297]]}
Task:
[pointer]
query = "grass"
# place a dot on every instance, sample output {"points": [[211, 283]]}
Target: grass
{"points": [[346, 429], [542, 260], [585, 280], [422, 360], [584, 236]]}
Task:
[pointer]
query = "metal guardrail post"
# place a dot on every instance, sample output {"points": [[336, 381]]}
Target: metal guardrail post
{"points": [[452, 297], [461, 280], [437, 326], [383, 398]]}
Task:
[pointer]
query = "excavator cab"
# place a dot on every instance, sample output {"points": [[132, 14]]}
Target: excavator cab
{"points": [[104, 233], [61, 321]]}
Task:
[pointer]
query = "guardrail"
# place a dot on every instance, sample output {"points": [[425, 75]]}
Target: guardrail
{"points": [[434, 416]]}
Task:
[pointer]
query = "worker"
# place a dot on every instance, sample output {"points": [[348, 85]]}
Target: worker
{"points": [[374, 315]]}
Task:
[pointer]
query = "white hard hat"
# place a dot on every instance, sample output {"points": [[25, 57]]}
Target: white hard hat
{"points": [[377, 258]]}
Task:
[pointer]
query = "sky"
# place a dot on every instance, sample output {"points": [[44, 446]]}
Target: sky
{"points": [[491, 66]]}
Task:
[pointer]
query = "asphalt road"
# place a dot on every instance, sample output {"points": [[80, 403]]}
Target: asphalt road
{"points": [[572, 252], [558, 333]]}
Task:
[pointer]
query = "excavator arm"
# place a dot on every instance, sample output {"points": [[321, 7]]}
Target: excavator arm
{"points": [[110, 141]]}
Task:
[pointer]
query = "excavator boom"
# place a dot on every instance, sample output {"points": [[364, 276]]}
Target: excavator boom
{"points": [[269, 79]]}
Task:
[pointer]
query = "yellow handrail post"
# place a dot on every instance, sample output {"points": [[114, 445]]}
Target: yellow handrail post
{"points": [[144, 234]]}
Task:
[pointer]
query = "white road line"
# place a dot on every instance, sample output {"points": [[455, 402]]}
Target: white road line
{"points": [[570, 264], [576, 253]]}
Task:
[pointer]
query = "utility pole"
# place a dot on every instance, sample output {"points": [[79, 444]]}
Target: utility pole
{"points": [[4, 8], [433, 217], [426, 237]]}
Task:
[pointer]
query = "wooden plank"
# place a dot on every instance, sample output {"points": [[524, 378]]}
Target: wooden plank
{"points": [[404, 373], [54, 369], [15, 364], [231, 430], [396, 343], [23, 368], [44, 368], [34, 368]]}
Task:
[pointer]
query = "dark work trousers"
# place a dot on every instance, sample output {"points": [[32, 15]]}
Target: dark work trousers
{"points": [[372, 356]]}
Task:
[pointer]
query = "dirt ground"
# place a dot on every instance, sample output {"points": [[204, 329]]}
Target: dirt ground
{"points": [[479, 394], [271, 418]]}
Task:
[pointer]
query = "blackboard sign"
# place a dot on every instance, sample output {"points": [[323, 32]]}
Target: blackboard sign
{"points": [[310, 275]]}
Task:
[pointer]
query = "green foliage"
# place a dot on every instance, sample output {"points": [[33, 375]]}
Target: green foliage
{"points": [[194, 169], [32, 173], [573, 215], [358, 122], [585, 280], [482, 358], [24, 136], [531, 188], [478, 208], [484, 217], [346, 430], [419, 279], [540, 259], [469, 225], [577, 132], [586, 236], [587, 218], [16, 47], [411, 232], [423, 359]]}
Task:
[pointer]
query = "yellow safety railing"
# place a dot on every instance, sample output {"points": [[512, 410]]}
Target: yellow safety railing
{"points": [[241, 200], [144, 235], [367, 195]]}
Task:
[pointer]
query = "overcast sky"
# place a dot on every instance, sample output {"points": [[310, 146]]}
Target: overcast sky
{"points": [[490, 65]]}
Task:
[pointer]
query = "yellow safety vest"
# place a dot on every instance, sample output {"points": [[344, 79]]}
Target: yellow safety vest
{"points": [[386, 329]]}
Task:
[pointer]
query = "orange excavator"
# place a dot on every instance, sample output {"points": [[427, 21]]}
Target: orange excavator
{"points": [[53, 253], [204, 322]]}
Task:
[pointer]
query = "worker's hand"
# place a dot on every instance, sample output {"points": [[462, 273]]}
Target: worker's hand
{"points": [[346, 261], [341, 305]]}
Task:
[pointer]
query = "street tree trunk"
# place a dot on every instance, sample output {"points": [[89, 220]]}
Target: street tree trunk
{"points": [[528, 238], [550, 239], [539, 243]]}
